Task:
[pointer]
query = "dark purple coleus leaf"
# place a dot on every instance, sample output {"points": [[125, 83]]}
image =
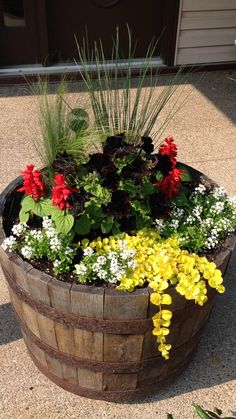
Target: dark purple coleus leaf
{"points": [[111, 181], [119, 205], [147, 145], [116, 146], [64, 164], [157, 202], [101, 163], [77, 200], [127, 224], [136, 170]]}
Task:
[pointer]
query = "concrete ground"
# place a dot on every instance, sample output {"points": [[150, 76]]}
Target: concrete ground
{"points": [[206, 136]]}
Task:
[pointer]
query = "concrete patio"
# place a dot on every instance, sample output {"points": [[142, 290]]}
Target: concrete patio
{"points": [[205, 133]]}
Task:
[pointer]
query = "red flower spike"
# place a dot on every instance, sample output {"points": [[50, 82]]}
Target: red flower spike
{"points": [[170, 185], [32, 183], [170, 149], [61, 192]]}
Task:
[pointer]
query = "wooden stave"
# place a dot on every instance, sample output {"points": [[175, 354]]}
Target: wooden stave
{"points": [[22, 271]]}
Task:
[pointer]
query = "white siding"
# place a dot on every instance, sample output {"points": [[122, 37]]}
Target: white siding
{"points": [[206, 33]]}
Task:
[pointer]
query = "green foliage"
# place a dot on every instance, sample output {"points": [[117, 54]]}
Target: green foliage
{"points": [[64, 222], [63, 128], [83, 224], [117, 103], [79, 120], [207, 414]]}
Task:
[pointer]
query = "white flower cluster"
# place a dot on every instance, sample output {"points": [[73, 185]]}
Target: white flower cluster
{"points": [[39, 243], [19, 229], [9, 243], [109, 267], [207, 219]]}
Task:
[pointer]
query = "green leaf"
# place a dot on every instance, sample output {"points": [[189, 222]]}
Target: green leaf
{"points": [[24, 216], [64, 223], [212, 414], [83, 224], [159, 176], [56, 213], [107, 224], [94, 211], [47, 206], [147, 188], [169, 416], [79, 120], [181, 200], [201, 413], [27, 203], [186, 176], [115, 228], [38, 210]]}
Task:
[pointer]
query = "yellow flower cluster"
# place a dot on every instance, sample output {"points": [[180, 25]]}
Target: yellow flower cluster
{"points": [[161, 263]]}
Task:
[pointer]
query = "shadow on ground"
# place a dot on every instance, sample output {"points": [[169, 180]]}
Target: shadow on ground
{"points": [[218, 86], [9, 329]]}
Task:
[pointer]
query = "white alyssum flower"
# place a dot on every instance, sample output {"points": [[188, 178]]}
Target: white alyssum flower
{"points": [[190, 220], [51, 232], [81, 269], [102, 274], [159, 224], [36, 234], [55, 243], [19, 229], [88, 251], [101, 260], [47, 222], [9, 243], [217, 208], [174, 223], [27, 252], [57, 263], [197, 210], [201, 189], [219, 192]]}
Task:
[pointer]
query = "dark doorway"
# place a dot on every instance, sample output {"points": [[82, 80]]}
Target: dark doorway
{"points": [[19, 32], [67, 19]]}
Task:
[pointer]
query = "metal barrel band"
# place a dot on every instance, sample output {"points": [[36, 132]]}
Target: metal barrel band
{"points": [[112, 396], [114, 327], [99, 366]]}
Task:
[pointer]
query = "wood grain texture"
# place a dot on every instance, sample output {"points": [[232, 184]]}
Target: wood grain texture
{"points": [[88, 344], [38, 285], [122, 348], [60, 295], [120, 305], [90, 379], [37, 352], [120, 382], [25, 312], [87, 301], [20, 269]]}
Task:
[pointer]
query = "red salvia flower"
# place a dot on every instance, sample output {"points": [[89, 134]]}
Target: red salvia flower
{"points": [[61, 192], [32, 183], [170, 149], [170, 185]]}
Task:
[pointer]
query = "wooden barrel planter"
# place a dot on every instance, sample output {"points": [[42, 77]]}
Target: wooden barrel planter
{"points": [[97, 342]]}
